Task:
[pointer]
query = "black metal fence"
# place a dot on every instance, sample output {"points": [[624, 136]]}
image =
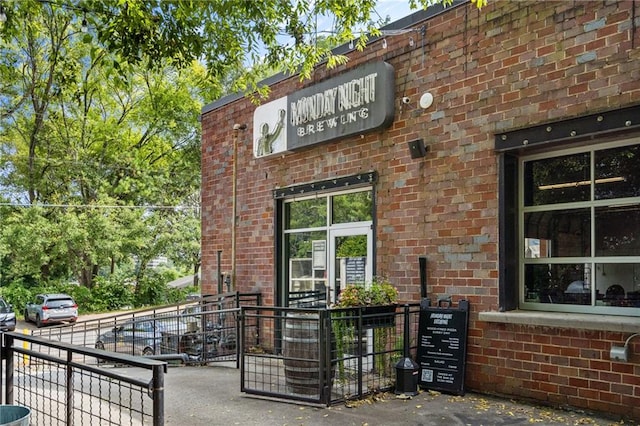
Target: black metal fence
{"points": [[324, 356], [64, 374], [58, 390], [200, 331]]}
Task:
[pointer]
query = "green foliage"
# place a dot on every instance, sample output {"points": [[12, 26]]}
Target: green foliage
{"points": [[83, 297], [112, 295], [352, 246], [378, 292], [176, 295], [108, 294], [116, 141], [153, 290], [344, 335], [226, 35], [17, 295]]}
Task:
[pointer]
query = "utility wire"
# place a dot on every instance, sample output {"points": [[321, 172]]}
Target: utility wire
{"points": [[98, 206]]}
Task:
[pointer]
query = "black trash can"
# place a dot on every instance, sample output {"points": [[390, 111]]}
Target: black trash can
{"points": [[407, 377]]}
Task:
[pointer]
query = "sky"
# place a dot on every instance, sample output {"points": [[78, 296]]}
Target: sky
{"points": [[395, 9]]}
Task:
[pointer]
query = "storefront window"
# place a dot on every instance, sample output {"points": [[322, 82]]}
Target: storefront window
{"points": [[306, 275], [310, 213], [352, 207], [325, 241], [557, 180], [580, 238]]}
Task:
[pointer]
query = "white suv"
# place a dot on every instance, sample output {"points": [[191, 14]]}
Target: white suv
{"points": [[51, 308]]}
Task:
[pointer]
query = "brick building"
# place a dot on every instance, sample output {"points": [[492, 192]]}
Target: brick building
{"points": [[503, 145]]}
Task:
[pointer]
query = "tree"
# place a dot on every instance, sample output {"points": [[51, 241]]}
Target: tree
{"points": [[227, 35], [90, 149], [98, 109]]}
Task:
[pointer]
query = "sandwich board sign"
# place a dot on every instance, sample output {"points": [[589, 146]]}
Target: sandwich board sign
{"points": [[442, 346]]}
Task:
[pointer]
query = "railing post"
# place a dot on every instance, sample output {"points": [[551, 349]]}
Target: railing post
{"points": [[8, 356], [239, 341], [326, 339], [240, 344], [2, 358], [158, 395], [360, 350], [69, 390]]}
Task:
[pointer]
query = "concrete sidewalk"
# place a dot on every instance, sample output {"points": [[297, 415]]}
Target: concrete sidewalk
{"points": [[211, 396]]}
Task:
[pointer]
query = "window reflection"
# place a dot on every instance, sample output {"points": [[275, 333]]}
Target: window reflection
{"points": [[558, 283], [353, 207], [617, 231], [557, 233], [306, 280], [311, 213], [592, 251], [616, 173], [557, 180]]}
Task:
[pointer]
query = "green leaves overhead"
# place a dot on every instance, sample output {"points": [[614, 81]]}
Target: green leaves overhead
{"points": [[226, 35]]}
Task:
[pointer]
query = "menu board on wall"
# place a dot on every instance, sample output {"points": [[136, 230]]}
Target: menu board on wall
{"points": [[442, 349], [355, 270], [319, 259]]}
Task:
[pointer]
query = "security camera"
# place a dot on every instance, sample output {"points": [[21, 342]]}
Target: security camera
{"points": [[406, 100]]}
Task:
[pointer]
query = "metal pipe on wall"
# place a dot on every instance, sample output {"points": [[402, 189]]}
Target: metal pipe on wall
{"points": [[219, 273], [236, 129], [233, 205]]}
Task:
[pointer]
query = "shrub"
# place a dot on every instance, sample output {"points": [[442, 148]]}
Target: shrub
{"points": [[378, 292], [17, 295], [111, 295]]}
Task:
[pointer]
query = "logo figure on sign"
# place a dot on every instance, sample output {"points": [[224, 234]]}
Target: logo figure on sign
{"points": [[266, 139]]}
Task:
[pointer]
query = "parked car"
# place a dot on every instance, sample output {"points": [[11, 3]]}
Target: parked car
{"points": [[136, 337], [51, 308], [7, 316]]}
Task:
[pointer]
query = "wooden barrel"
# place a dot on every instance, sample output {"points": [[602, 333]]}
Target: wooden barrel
{"points": [[301, 350]]}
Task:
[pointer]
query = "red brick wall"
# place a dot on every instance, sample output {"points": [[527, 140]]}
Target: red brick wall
{"points": [[512, 65], [558, 366]]}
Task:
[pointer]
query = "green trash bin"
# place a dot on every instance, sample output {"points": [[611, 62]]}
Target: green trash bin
{"points": [[14, 415]]}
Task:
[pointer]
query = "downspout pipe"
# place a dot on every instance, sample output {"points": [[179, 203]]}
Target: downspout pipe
{"points": [[236, 129]]}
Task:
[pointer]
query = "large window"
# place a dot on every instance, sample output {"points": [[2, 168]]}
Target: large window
{"points": [[579, 230]]}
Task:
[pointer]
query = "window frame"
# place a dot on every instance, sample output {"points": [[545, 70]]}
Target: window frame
{"points": [[512, 294], [282, 255]]}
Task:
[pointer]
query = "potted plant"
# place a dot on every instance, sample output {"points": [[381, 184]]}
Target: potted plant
{"points": [[372, 306], [379, 297]]}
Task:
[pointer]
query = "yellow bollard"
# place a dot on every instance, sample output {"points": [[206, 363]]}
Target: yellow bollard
{"points": [[25, 346]]}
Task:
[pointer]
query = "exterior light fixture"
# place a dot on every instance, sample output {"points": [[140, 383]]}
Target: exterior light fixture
{"points": [[384, 43], [426, 100]]}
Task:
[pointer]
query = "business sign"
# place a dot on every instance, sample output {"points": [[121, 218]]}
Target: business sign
{"points": [[356, 102], [442, 347]]}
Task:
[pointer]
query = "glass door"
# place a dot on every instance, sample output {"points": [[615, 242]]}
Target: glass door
{"points": [[350, 256]]}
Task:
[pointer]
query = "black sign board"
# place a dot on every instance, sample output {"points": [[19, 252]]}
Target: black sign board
{"points": [[442, 349], [359, 101]]}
